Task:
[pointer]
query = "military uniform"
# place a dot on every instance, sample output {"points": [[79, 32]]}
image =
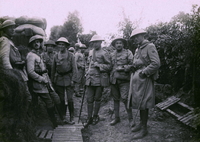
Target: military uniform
{"points": [[64, 71], [80, 62], [48, 60], [11, 59], [120, 78], [96, 79]]}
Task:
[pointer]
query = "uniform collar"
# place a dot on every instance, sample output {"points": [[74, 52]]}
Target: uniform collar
{"points": [[144, 43]]}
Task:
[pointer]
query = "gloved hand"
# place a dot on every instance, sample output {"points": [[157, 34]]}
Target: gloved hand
{"points": [[142, 75]]}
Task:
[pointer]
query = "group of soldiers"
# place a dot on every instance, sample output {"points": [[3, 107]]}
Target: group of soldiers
{"points": [[57, 73]]}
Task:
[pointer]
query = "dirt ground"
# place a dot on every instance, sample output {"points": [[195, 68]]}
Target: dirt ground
{"points": [[161, 126]]}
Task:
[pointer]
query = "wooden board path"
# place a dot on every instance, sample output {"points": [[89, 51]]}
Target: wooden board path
{"points": [[68, 133]]}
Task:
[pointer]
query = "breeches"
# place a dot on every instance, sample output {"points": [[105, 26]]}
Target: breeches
{"points": [[61, 92], [94, 93], [120, 91], [45, 98]]}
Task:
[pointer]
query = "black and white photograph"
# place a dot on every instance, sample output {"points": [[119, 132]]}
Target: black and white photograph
{"points": [[99, 71]]}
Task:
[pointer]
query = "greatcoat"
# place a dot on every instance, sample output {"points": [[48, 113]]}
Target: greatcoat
{"points": [[143, 88]]}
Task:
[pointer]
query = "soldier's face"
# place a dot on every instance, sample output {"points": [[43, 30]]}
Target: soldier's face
{"points": [[10, 30], [119, 45], [97, 45], [137, 39], [50, 48], [62, 46], [36, 44]]}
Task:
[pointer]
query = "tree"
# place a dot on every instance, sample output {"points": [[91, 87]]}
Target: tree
{"points": [[71, 27], [85, 38]]}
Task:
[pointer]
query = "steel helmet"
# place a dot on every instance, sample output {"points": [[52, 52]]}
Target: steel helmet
{"points": [[63, 39], [71, 49], [137, 31], [36, 37], [96, 38], [82, 46], [77, 45], [50, 42], [119, 38], [7, 23]]}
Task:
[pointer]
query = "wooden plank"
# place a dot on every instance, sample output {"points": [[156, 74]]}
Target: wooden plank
{"points": [[67, 138], [186, 106], [65, 141], [171, 103], [38, 132], [67, 134], [173, 113], [166, 101], [190, 112], [49, 134], [187, 118], [43, 133]]}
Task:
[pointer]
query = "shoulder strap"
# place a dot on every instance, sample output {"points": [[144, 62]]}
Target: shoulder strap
{"points": [[140, 55]]}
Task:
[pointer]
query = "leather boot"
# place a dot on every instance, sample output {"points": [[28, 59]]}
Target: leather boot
{"points": [[96, 111], [59, 110], [71, 112], [89, 119], [51, 114], [130, 115], [116, 111], [139, 126], [143, 132]]}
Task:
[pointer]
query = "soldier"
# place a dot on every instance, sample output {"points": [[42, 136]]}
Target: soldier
{"points": [[48, 55], [10, 55], [120, 77], [146, 63], [98, 67], [38, 74], [72, 50], [77, 46], [64, 73], [80, 62]]}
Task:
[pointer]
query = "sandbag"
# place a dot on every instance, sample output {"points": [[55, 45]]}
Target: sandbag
{"points": [[37, 21], [35, 29]]}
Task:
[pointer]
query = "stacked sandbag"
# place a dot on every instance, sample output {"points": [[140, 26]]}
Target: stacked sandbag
{"points": [[27, 27]]}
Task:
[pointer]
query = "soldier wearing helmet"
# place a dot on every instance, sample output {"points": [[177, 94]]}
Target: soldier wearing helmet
{"points": [[97, 68], [146, 63], [80, 61], [48, 55], [37, 71], [64, 72], [72, 50], [121, 60], [9, 54]]}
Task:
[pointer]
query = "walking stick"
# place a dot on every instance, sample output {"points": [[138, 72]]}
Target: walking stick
{"points": [[81, 104], [146, 84]]}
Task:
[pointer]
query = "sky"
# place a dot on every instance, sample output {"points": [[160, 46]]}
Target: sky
{"points": [[101, 16]]}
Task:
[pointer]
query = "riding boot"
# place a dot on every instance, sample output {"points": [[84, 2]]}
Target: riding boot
{"points": [[59, 110], [51, 114], [96, 111], [116, 111], [139, 126], [143, 132], [130, 115], [71, 112], [89, 119]]}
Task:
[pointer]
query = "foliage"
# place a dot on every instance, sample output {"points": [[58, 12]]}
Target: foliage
{"points": [[85, 38], [178, 46], [71, 27]]}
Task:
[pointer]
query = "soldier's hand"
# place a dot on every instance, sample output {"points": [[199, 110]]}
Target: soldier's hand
{"points": [[44, 80], [142, 75], [96, 64]]}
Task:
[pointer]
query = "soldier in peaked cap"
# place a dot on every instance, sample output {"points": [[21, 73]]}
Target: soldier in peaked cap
{"points": [[64, 72], [121, 60], [97, 68], [141, 94], [9, 54]]}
